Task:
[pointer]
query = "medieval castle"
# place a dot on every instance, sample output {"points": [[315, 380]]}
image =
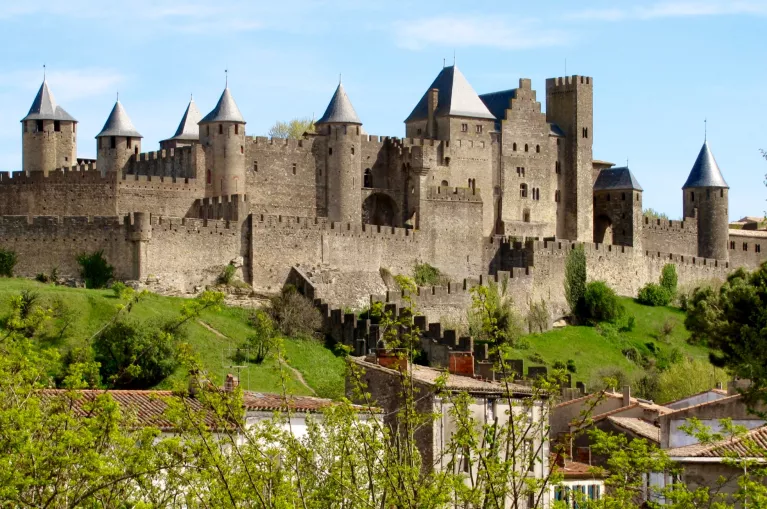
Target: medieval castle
{"points": [[480, 186]]}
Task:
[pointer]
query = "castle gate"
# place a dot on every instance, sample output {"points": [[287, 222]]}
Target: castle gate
{"points": [[379, 209]]}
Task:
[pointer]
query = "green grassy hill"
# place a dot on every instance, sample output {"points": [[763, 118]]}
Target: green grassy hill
{"points": [[592, 351], [312, 369]]}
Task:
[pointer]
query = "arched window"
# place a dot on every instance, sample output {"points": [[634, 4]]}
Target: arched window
{"points": [[444, 183], [526, 147], [368, 179], [523, 190], [514, 147]]}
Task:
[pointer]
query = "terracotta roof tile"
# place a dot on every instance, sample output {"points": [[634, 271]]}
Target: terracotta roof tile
{"points": [[725, 448], [637, 426]]}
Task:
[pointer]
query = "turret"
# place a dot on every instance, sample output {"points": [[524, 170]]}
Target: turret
{"points": [[705, 197], [618, 208], [48, 135], [342, 129], [222, 135], [188, 132], [117, 142]]}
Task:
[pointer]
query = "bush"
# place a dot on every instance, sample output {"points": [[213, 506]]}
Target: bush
{"points": [[601, 304], [492, 317], [428, 275], [653, 295], [538, 317], [405, 283], [668, 280], [667, 328], [294, 314], [134, 355], [227, 275], [571, 366], [264, 337], [575, 278], [94, 269], [8, 261]]}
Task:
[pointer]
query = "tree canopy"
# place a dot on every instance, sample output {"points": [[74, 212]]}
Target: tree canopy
{"points": [[293, 129]]}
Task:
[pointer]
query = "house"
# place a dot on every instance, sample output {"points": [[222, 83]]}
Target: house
{"points": [[579, 482]]}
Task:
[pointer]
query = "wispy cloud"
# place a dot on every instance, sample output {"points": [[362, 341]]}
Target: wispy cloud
{"points": [[466, 31], [674, 9], [66, 84]]}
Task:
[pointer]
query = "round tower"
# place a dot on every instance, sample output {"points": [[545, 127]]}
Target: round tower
{"points": [[342, 130], [117, 142], [48, 135], [705, 197], [222, 135]]}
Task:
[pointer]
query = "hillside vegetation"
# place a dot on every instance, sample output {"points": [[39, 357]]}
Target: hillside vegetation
{"points": [[311, 368]]}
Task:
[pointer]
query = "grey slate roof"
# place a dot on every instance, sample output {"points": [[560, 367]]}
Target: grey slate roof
{"points": [[119, 124], [616, 178], [456, 98], [498, 102], [705, 172], [188, 128], [226, 110], [44, 107], [340, 109]]}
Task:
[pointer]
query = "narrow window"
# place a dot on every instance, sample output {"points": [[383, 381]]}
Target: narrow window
{"points": [[242, 149], [557, 167], [523, 190], [447, 161], [74, 127], [608, 196], [558, 140], [745, 246], [732, 244], [39, 126], [758, 248], [637, 196], [330, 151], [692, 196], [479, 128], [255, 166], [514, 147], [208, 177], [623, 196], [352, 150], [418, 132], [236, 129], [135, 150], [129, 142], [557, 196], [220, 128], [112, 142], [721, 193], [294, 168], [57, 126], [464, 128], [708, 194], [526, 216], [585, 132], [207, 130], [526, 147], [368, 180], [537, 149]]}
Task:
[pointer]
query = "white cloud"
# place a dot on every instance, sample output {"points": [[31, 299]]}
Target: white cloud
{"points": [[480, 31], [676, 9], [66, 84]]}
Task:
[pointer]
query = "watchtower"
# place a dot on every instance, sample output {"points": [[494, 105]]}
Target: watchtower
{"points": [[570, 105], [117, 142], [342, 129], [617, 208], [705, 197], [222, 135], [48, 135]]}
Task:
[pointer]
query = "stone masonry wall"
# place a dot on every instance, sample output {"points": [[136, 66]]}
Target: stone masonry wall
{"points": [[666, 236], [747, 249]]}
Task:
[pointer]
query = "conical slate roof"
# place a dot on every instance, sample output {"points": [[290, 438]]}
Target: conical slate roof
{"points": [[616, 179], [188, 128], [705, 172], [340, 109], [225, 111], [456, 98], [119, 124], [44, 107]]}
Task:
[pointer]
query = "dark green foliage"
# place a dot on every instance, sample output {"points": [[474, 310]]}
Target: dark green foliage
{"points": [[575, 278], [294, 314], [629, 325], [653, 295], [601, 304], [8, 261], [571, 366], [733, 322], [428, 275], [136, 355], [668, 280], [94, 269]]}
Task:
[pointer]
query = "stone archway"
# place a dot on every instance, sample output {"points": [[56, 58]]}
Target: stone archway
{"points": [[379, 209], [603, 230]]}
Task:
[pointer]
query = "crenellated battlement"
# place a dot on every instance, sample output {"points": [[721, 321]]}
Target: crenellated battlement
{"points": [[686, 259], [463, 194], [173, 163], [282, 143], [53, 227], [192, 225], [345, 229], [669, 225], [567, 83], [83, 173], [230, 208]]}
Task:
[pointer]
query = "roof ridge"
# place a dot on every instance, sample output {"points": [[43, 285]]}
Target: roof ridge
{"points": [[340, 109], [456, 98], [226, 110]]}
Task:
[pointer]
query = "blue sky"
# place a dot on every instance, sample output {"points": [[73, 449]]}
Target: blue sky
{"points": [[660, 67]]}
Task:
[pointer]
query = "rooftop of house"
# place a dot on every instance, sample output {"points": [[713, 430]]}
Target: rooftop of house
{"points": [[572, 470], [453, 382], [616, 179], [638, 426], [646, 404], [751, 445]]}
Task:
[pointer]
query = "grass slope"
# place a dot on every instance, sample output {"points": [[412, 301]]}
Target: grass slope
{"points": [[593, 352], [320, 369]]}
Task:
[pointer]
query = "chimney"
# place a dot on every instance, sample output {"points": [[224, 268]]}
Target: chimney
{"points": [[461, 363], [626, 395], [432, 101], [231, 383]]}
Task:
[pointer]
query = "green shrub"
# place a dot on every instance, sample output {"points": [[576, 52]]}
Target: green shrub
{"points": [[653, 295], [629, 325], [294, 314], [264, 338], [571, 366], [227, 275], [537, 358], [538, 317], [42, 277], [601, 304], [667, 328], [575, 278], [428, 275], [94, 269], [8, 261], [405, 283], [668, 280]]}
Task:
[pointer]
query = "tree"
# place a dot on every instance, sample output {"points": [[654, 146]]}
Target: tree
{"points": [[654, 214], [264, 338], [492, 317], [95, 269], [733, 322], [688, 376], [575, 277], [293, 129]]}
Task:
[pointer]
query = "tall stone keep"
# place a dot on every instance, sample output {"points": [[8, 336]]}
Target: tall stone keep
{"points": [[48, 134], [222, 135], [342, 129], [570, 104], [117, 142], [705, 197]]}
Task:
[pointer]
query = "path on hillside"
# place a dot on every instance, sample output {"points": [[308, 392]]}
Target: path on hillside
{"points": [[296, 373]]}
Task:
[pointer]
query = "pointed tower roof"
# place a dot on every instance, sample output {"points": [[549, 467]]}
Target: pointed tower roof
{"points": [[456, 98], [188, 128], [44, 107], [705, 172], [225, 111], [119, 124], [340, 109]]}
